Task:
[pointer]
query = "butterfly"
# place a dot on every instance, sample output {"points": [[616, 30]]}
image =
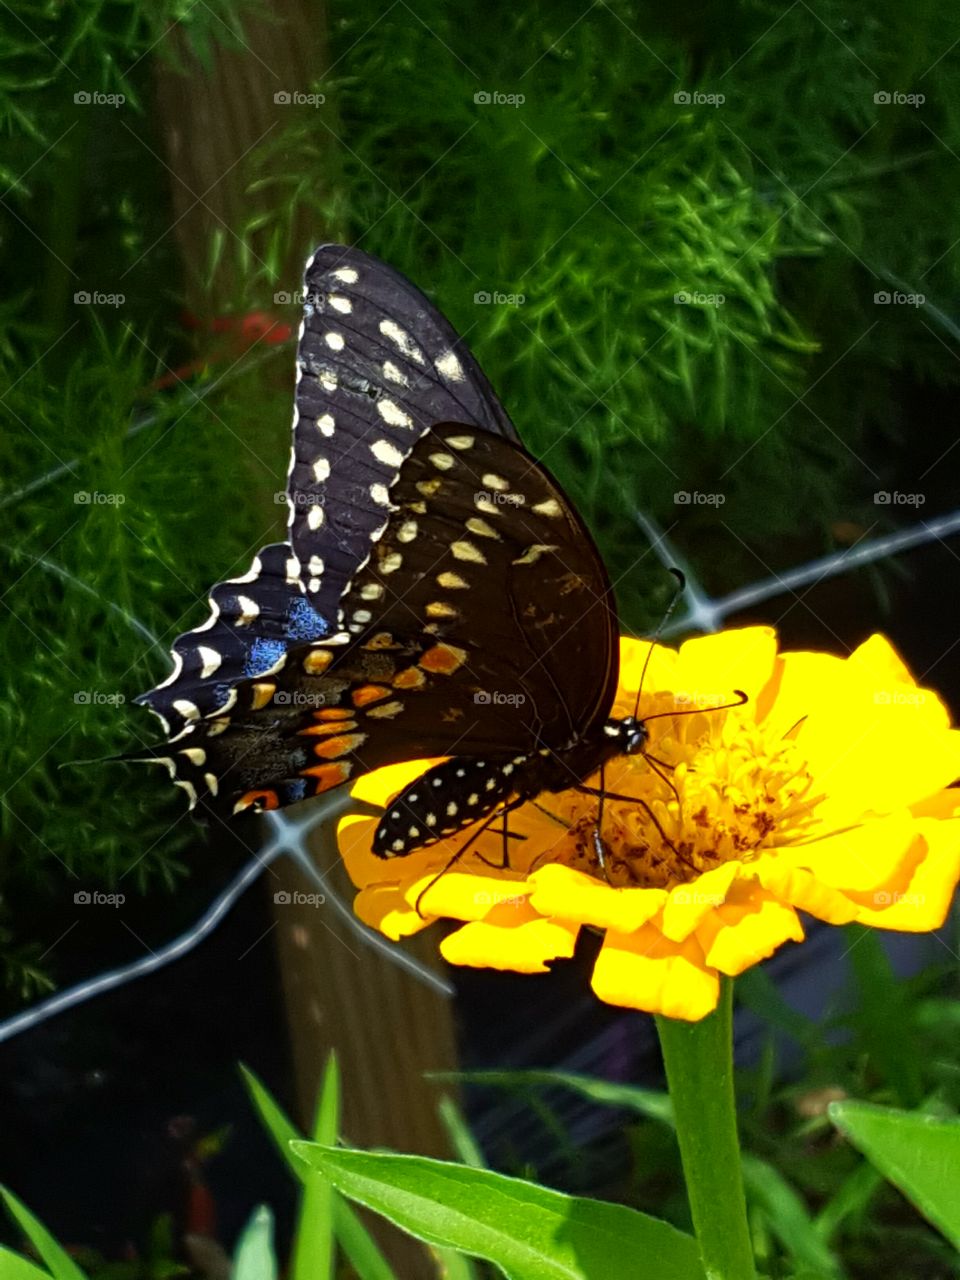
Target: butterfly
{"points": [[437, 595]]}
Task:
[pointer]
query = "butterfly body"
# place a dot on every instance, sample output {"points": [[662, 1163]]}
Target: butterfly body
{"points": [[437, 595]]}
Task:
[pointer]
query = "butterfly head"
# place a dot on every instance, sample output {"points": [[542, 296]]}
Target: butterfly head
{"points": [[629, 736]]}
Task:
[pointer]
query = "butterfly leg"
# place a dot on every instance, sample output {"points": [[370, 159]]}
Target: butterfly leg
{"points": [[599, 847], [614, 795]]}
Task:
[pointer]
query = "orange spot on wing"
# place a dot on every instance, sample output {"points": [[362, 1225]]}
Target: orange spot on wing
{"points": [[368, 693], [334, 726], [412, 678], [329, 775], [443, 658], [317, 661], [382, 640], [264, 799], [330, 748], [334, 713]]}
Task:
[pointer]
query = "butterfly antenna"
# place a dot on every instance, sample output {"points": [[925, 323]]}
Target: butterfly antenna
{"points": [[677, 596], [741, 698]]}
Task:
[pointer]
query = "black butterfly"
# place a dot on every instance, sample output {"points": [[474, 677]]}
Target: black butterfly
{"points": [[438, 595]]}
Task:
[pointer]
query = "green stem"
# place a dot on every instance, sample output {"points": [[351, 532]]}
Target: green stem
{"points": [[698, 1057]]}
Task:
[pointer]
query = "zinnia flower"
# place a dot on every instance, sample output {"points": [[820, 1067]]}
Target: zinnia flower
{"points": [[827, 792]]}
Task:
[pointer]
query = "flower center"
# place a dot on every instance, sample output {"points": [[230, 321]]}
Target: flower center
{"points": [[715, 789]]}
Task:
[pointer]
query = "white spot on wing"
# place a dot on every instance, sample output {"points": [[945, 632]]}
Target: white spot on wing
{"points": [[341, 304], [326, 424], [449, 367], [334, 341], [402, 340], [346, 274], [392, 414], [387, 453], [211, 661]]}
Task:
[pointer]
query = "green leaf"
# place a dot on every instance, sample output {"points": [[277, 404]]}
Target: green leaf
{"points": [[313, 1243], [919, 1154], [254, 1258], [14, 1266], [787, 1217], [526, 1230], [359, 1246], [652, 1103], [58, 1261]]}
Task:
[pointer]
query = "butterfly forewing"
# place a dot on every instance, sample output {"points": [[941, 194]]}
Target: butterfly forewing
{"points": [[377, 364]]}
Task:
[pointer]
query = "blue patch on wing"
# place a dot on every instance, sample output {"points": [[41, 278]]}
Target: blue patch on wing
{"points": [[263, 655], [305, 623]]}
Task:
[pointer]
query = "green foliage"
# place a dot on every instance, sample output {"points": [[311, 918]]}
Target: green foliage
{"points": [[599, 198], [918, 1153], [530, 1232]]}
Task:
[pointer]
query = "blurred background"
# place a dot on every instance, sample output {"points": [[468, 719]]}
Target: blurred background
{"points": [[708, 256]]}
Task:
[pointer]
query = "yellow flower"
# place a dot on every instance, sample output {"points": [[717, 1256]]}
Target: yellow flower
{"points": [[827, 792]]}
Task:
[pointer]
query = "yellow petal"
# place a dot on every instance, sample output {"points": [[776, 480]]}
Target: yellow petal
{"points": [[861, 859], [687, 904], [644, 970], [750, 926], [921, 901], [659, 674], [382, 785], [465, 895], [709, 668], [802, 889], [515, 938], [384, 907], [571, 895]]}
